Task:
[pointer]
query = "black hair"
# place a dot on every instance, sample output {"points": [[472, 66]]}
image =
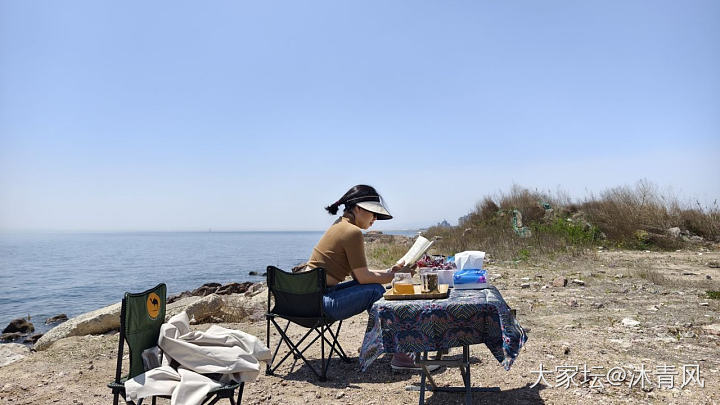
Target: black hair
{"points": [[356, 194]]}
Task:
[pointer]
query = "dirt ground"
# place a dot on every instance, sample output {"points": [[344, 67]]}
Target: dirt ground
{"points": [[635, 309]]}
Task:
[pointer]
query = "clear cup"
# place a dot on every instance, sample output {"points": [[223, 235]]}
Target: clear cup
{"points": [[429, 279]]}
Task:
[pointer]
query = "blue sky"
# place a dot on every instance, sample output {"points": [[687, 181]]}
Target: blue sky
{"points": [[171, 115]]}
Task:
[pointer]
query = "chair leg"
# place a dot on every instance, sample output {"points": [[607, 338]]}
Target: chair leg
{"points": [[115, 397], [240, 393], [294, 348], [269, 369], [322, 354], [340, 352]]}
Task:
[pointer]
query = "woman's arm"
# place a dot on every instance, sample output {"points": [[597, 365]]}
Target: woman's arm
{"points": [[363, 275]]}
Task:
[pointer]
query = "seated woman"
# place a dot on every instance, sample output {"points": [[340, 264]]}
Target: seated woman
{"points": [[341, 252]]}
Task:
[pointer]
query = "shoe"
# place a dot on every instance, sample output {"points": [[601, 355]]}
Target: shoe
{"points": [[406, 362]]}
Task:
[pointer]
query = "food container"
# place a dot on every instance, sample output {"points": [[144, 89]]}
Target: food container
{"points": [[403, 284], [429, 280]]}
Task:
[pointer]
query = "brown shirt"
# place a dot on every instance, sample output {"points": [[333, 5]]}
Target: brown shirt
{"points": [[340, 250]]}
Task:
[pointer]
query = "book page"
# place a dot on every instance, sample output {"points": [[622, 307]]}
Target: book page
{"points": [[420, 246]]}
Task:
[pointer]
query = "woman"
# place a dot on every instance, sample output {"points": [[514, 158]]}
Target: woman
{"points": [[341, 252]]}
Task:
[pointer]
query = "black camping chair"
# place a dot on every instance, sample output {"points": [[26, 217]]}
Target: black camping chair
{"points": [[141, 316], [298, 299]]}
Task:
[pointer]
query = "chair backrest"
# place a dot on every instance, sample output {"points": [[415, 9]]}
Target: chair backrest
{"points": [[141, 316], [297, 295]]}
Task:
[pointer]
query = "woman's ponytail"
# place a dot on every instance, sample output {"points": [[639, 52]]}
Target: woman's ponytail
{"points": [[333, 208]]}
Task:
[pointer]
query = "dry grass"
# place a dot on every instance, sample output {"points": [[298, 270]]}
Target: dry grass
{"points": [[636, 217]]}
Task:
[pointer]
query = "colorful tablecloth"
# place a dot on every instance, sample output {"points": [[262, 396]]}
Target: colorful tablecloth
{"points": [[465, 317]]}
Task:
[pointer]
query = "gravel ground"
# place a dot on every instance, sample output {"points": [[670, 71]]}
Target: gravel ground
{"points": [[635, 308]]}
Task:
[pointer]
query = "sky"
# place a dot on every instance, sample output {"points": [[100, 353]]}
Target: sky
{"points": [[236, 115]]}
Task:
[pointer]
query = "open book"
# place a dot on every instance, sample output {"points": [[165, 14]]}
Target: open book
{"points": [[418, 248]]}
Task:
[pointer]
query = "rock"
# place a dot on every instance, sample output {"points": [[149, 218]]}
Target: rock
{"points": [[653, 308], [255, 289], [674, 232], [573, 303], [713, 329], [704, 304], [630, 323], [707, 276], [204, 291], [713, 264], [559, 282], [180, 305], [10, 337], [525, 285], [94, 322], [237, 308], [253, 273], [21, 325], [56, 319], [339, 395], [598, 305], [234, 288], [12, 352], [689, 273], [619, 276], [525, 279], [578, 282], [204, 308], [32, 339], [566, 349]]}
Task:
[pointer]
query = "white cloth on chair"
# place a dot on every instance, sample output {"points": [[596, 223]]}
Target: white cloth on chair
{"points": [[233, 353]]}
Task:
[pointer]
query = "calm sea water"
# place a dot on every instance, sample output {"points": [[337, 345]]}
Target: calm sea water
{"points": [[42, 275]]}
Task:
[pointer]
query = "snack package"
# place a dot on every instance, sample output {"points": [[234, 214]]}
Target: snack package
{"points": [[470, 273]]}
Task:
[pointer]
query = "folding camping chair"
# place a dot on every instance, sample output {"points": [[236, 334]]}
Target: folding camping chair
{"points": [[298, 299], [141, 316]]}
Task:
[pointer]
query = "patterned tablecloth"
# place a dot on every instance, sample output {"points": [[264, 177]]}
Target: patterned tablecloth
{"points": [[465, 317]]}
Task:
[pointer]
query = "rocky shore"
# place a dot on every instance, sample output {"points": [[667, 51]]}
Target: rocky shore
{"points": [[609, 311]]}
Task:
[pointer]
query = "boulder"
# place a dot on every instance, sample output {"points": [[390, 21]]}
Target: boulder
{"points": [[33, 339], [204, 308], [238, 308], [10, 337], [98, 321], [234, 288], [12, 352], [21, 325], [56, 319], [204, 291]]}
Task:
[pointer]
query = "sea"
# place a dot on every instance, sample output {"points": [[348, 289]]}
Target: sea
{"points": [[46, 274]]}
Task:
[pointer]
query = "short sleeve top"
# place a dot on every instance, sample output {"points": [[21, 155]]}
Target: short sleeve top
{"points": [[340, 250]]}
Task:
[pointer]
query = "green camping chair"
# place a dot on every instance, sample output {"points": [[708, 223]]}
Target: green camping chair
{"points": [[298, 299], [141, 316]]}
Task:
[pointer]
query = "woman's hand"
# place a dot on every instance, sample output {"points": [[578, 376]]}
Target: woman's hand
{"points": [[401, 268]]}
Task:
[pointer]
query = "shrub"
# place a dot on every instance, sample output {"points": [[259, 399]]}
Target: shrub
{"points": [[636, 216]]}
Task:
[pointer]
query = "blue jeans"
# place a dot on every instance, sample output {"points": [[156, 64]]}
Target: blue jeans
{"points": [[350, 298]]}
